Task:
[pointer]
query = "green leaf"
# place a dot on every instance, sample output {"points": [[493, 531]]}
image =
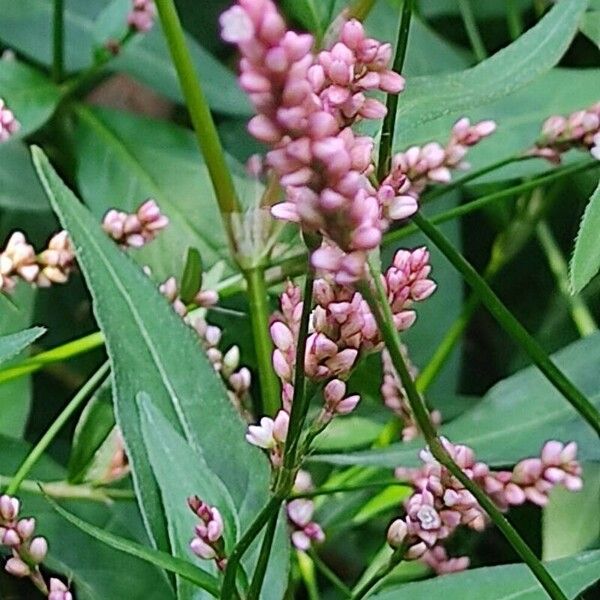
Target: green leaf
{"points": [[20, 189], [514, 582], [388, 498], [155, 557], [96, 571], [16, 314], [31, 96], [181, 472], [571, 522], [11, 345], [311, 13], [26, 26], [514, 418], [125, 159], [590, 26], [153, 351], [191, 280], [534, 53], [95, 425], [586, 256]]}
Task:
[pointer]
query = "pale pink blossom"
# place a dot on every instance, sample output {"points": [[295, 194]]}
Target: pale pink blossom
{"points": [[207, 542], [305, 531], [9, 125], [579, 130], [58, 590], [134, 230], [142, 15]]}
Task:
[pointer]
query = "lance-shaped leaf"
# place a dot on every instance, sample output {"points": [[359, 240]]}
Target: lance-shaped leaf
{"points": [[153, 351], [11, 345]]}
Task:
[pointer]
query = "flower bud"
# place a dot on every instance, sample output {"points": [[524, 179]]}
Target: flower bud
{"points": [[38, 549], [397, 533], [18, 568]]}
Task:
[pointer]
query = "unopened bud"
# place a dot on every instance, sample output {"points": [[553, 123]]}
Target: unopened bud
{"points": [[38, 549], [396, 533], [16, 567]]}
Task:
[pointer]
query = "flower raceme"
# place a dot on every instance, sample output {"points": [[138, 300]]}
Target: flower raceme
{"points": [[28, 550], [136, 229], [307, 102], [580, 130], [440, 503], [208, 543]]}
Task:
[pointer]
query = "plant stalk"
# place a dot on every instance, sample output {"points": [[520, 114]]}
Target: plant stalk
{"points": [[578, 309], [389, 122], [472, 30], [377, 300], [204, 125], [36, 452], [380, 575], [58, 41], [263, 558], [508, 322], [259, 316]]}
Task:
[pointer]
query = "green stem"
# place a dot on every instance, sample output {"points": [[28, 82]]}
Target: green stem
{"points": [[441, 190], [58, 354], [204, 126], [37, 451], [389, 123], [510, 324], [472, 30], [68, 491], [58, 41], [449, 341], [381, 310], [233, 562], [328, 573], [263, 558], [379, 576], [324, 491], [514, 19], [259, 316], [306, 567], [300, 400], [469, 207], [580, 313]]}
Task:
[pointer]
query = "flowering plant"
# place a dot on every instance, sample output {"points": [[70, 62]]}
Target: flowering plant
{"points": [[285, 393]]}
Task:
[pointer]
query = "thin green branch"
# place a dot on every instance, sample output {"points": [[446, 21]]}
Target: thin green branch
{"points": [[578, 309], [306, 566], [389, 123], [67, 491], [233, 562], [204, 126], [377, 578], [475, 205], [263, 558], [377, 300], [328, 573], [326, 491], [510, 324], [58, 41], [259, 316], [514, 19], [37, 451], [466, 10]]}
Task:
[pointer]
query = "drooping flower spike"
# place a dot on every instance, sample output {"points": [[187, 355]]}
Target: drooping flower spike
{"points": [[440, 503]]}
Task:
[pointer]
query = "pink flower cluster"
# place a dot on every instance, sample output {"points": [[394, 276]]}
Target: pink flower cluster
{"points": [[305, 531], [28, 551], [306, 103], [18, 260], [8, 122], [137, 229], [208, 543], [142, 15], [419, 166], [580, 129], [395, 398], [342, 328], [440, 503]]}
